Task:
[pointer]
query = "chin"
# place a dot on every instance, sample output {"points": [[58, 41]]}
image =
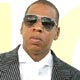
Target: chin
{"points": [[36, 50]]}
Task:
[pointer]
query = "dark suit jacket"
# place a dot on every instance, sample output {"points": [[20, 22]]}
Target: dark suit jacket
{"points": [[9, 68]]}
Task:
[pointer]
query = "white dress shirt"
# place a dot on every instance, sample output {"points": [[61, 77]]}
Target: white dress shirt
{"points": [[31, 70]]}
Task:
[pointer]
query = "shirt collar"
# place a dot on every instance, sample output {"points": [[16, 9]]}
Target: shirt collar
{"points": [[25, 58]]}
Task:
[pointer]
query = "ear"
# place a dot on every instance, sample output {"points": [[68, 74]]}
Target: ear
{"points": [[21, 28], [57, 33]]}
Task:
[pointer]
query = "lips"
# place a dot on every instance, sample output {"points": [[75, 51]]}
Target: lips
{"points": [[35, 39]]}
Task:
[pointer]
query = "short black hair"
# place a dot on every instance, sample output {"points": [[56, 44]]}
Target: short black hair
{"points": [[46, 2]]}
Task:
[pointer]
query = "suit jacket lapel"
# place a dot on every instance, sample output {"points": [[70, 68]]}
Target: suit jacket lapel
{"points": [[9, 66], [59, 72]]}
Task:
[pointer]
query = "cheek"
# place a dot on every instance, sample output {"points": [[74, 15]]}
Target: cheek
{"points": [[49, 39], [25, 33]]}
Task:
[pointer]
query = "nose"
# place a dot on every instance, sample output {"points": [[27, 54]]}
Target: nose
{"points": [[38, 26]]}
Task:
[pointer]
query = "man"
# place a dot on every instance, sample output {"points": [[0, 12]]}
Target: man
{"points": [[33, 59]]}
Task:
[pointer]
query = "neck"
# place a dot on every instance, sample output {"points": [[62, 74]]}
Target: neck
{"points": [[37, 55]]}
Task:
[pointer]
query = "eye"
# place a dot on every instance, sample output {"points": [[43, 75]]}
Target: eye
{"points": [[47, 23], [30, 20]]}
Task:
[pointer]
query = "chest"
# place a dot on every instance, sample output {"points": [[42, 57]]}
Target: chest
{"points": [[35, 72], [10, 71]]}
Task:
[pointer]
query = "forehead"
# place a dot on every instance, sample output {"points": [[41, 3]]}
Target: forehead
{"points": [[42, 10]]}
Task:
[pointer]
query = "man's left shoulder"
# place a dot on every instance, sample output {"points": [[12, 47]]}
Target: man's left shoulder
{"points": [[64, 69], [69, 69]]}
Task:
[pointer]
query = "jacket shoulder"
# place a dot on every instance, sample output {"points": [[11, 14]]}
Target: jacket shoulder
{"points": [[9, 56], [65, 69]]}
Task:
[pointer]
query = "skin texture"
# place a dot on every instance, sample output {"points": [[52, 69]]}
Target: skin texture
{"points": [[36, 40]]}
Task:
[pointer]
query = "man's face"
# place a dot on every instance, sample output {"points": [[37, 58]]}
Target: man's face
{"points": [[37, 39]]}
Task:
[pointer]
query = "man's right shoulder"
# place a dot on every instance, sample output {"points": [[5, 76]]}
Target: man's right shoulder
{"points": [[9, 56]]}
